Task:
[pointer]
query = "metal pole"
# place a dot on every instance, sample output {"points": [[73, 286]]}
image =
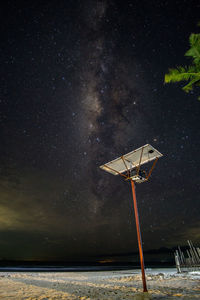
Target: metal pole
{"points": [[139, 236]]}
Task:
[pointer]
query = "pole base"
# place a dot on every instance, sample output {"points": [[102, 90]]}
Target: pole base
{"points": [[142, 296]]}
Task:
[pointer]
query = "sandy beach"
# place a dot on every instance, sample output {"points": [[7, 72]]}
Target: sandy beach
{"points": [[162, 284]]}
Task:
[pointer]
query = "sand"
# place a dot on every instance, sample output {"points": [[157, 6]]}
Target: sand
{"points": [[162, 284]]}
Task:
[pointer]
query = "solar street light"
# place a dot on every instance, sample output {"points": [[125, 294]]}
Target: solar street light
{"points": [[129, 167]]}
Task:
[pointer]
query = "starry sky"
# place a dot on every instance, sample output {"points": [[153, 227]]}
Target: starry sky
{"points": [[82, 82]]}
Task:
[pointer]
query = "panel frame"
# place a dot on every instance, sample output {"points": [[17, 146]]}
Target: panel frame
{"points": [[113, 166]]}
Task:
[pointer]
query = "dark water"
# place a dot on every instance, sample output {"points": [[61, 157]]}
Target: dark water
{"points": [[73, 268], [62, 268]]}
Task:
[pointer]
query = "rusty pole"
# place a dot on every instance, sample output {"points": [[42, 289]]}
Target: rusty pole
{"points": [[139, 237]]}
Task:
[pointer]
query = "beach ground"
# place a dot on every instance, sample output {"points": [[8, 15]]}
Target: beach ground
{"points": [[126, 284]]}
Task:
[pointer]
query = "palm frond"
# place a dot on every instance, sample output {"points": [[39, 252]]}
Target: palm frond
{"points": [[194, 50], [191, 73], [194, 39], [189, 87], [181, 74]]}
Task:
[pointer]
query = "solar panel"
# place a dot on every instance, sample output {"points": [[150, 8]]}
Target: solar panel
{"points": [[132, 160]]}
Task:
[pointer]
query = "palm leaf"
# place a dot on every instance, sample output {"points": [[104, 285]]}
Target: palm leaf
{"points": [[190, 73], [184, 74], [188, 87], [194, 50], [181, 74]]}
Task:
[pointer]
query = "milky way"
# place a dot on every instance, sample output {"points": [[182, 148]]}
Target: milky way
{"points": [[82, 83]]}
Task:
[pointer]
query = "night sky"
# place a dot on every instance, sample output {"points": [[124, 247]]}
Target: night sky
{"points": [[82, 82]]}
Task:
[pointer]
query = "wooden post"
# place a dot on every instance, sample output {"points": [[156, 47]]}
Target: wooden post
{"points": [[139, 237], [177, 261]]}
